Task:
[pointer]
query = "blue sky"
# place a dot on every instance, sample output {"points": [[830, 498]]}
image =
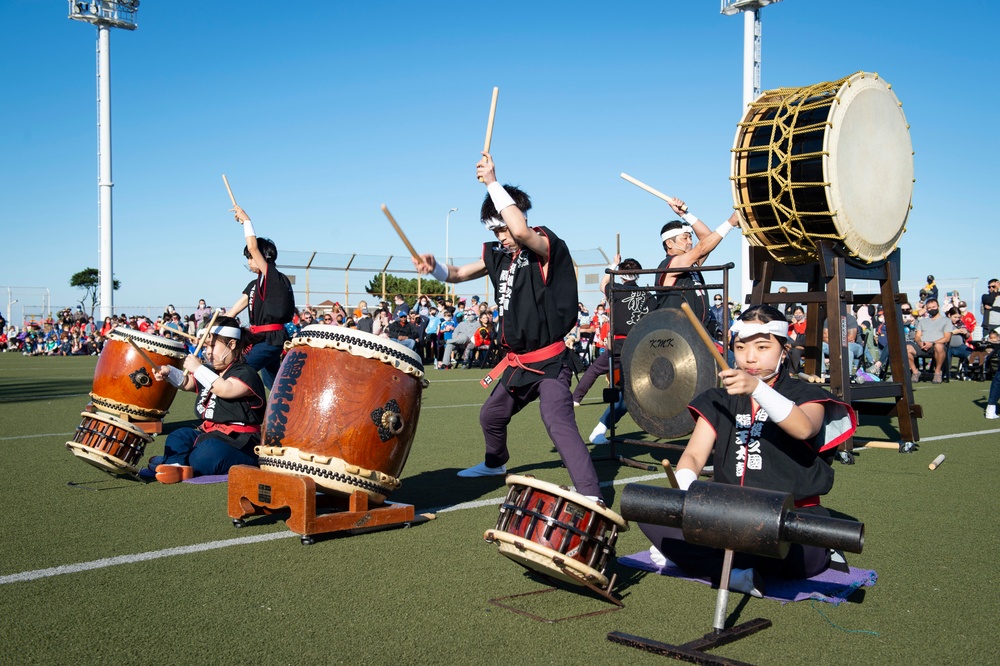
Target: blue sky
{"points": [[321, 111]]}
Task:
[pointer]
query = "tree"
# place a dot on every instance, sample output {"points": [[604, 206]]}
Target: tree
{"points": [[89, 279], [405, 286]]}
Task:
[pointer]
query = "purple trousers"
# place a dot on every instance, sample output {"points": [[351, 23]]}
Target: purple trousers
{"points": [[555, 403], [600, 366]]}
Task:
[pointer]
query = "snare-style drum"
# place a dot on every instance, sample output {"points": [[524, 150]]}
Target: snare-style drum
{"points": [[832, 161], [124, 382], [343, 410], [108, 442], [555, 531]]}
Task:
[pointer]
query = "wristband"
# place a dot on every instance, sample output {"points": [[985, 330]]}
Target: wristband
{"points": [[685, 477], [206, 377], [248, 229], [440, 272], [500, 197], [175, 377], [724, 229], [689, 218], [777, 406]]}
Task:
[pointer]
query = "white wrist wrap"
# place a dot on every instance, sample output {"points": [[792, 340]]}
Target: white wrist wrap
{"points": [[501, 199], [440, 272], [248, 230], [685, 478], [689, 218], [777, 406], [724, 229], [206, 376], [175, 376]]}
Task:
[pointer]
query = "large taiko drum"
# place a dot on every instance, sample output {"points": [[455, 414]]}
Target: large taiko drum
{"points": [[556, 531], [343, 410], [109, 443], [124, 382], [832, 161]]}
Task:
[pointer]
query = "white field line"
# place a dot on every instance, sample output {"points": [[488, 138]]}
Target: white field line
{"points": [[44, 397], [25, 576]]}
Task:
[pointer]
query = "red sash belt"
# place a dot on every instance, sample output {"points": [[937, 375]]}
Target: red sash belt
{"points": [[266, 328], [807, 501], [228, 428], [543, 354]]}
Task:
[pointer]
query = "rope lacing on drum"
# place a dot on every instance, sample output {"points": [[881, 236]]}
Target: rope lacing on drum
{"points": [[324, 473], [303, 337], [787, 105]]}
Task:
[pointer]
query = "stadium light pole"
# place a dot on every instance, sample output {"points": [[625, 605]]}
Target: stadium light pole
{"points": [[105, 14], [447, 222], [751, 91]]}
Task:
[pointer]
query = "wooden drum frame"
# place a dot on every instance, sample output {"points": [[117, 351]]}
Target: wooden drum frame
{"points": [[832, 161], [343, 411], [123, 381], [109, 443], [557, 532]]}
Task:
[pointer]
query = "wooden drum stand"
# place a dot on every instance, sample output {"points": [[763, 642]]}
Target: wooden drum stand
{"points": [[254, 491], [827, 293]]}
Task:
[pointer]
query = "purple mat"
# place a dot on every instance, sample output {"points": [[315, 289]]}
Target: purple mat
{"points": [[830, 586], [211, 478]]}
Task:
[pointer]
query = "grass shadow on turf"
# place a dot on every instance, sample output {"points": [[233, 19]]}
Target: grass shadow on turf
{"points": [[43, 388]]}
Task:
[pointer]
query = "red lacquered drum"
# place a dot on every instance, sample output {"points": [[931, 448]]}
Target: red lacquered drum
{"points": [[556, 531], [123, 380], [343, 410], [108, 442]]}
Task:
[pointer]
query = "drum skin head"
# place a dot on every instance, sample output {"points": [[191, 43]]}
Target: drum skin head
{"points": [[665, 365], [870, 163]]}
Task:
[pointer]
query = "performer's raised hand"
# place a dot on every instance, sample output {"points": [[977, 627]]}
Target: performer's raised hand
{"points": [[486, 169], [678, 206], [240, 214], [738, 382], [426, 264]]}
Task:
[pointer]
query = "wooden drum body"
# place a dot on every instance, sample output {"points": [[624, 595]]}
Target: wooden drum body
{"points": [[555, 531], [123, 381], [832, 161], [343, 410], [110, 443]]}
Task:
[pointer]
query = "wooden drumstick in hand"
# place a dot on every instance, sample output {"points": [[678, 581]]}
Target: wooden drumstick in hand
{"points": [[144, 355], [204, 336], [402, 236], [229, 189], [654, 192], [705, 337], [489, 123]]}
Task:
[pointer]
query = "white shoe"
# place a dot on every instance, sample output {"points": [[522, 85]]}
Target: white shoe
{"points": [[576, 404], [598, 439], [482, 470], [991, 412], [657, 557], [747, 581]]}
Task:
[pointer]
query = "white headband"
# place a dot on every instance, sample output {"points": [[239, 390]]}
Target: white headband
{"points": [[670, 233], [744, 330], [628, 277], [227, 332], [494, 223]]}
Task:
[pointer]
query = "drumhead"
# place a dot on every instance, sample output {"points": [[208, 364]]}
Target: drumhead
{"points": [[869, 163], [544, 560], [359, 343], [576, 498], [153, 343]]}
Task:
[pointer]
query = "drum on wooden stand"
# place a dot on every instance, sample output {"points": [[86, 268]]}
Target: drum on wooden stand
{"points": [[557, 532], [109, 443], [123, 381], [832, 161], [343, 410]]}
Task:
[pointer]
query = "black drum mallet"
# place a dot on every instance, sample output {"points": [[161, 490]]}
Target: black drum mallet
{"points": [[733, 518]]}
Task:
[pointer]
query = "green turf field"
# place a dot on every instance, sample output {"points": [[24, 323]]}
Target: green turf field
{"points": [[421, 595]]}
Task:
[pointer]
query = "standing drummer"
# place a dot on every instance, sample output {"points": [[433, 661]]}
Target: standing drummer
{"points": [[677, 237], [536, 291], [269, 299]]}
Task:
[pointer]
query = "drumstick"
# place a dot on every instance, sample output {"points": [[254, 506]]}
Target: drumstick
{"points": [[489, 123], [806, 377], [406, 241], [937, 463], [705, 337], [229, 189], [618, 244], [143, 353], [654, 192], [671, 477], [185, 334], [204, 336]]}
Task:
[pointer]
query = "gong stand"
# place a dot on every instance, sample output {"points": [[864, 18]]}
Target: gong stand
{"points": [[613, 393], [254, 491], [826, 293]]}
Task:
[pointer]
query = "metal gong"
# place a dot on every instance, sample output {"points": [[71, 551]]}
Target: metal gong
{"points": [[665, 365]]}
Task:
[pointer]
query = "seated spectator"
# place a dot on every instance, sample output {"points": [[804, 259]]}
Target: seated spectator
{"points": [[853, 346], [403, 332], [796, 335], [460, 339], [482, 339], [931, 340], [958, 346]]}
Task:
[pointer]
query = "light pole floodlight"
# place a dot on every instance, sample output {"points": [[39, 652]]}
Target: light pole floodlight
{"points": [[732, 7], [113, 13]]}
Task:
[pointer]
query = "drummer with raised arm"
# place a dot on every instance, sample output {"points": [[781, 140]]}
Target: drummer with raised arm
{"points": [[268, 298], [535, 288]]}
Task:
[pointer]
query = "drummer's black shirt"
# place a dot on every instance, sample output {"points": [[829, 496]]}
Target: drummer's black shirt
{"points": [[271, 301]]}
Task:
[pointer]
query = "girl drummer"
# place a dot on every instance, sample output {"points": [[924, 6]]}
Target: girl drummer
{"points": [[230, 403], [766, 430]]}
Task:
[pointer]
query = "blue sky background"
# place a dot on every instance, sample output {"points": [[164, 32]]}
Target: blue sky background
{"points": [[321, 111]]}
